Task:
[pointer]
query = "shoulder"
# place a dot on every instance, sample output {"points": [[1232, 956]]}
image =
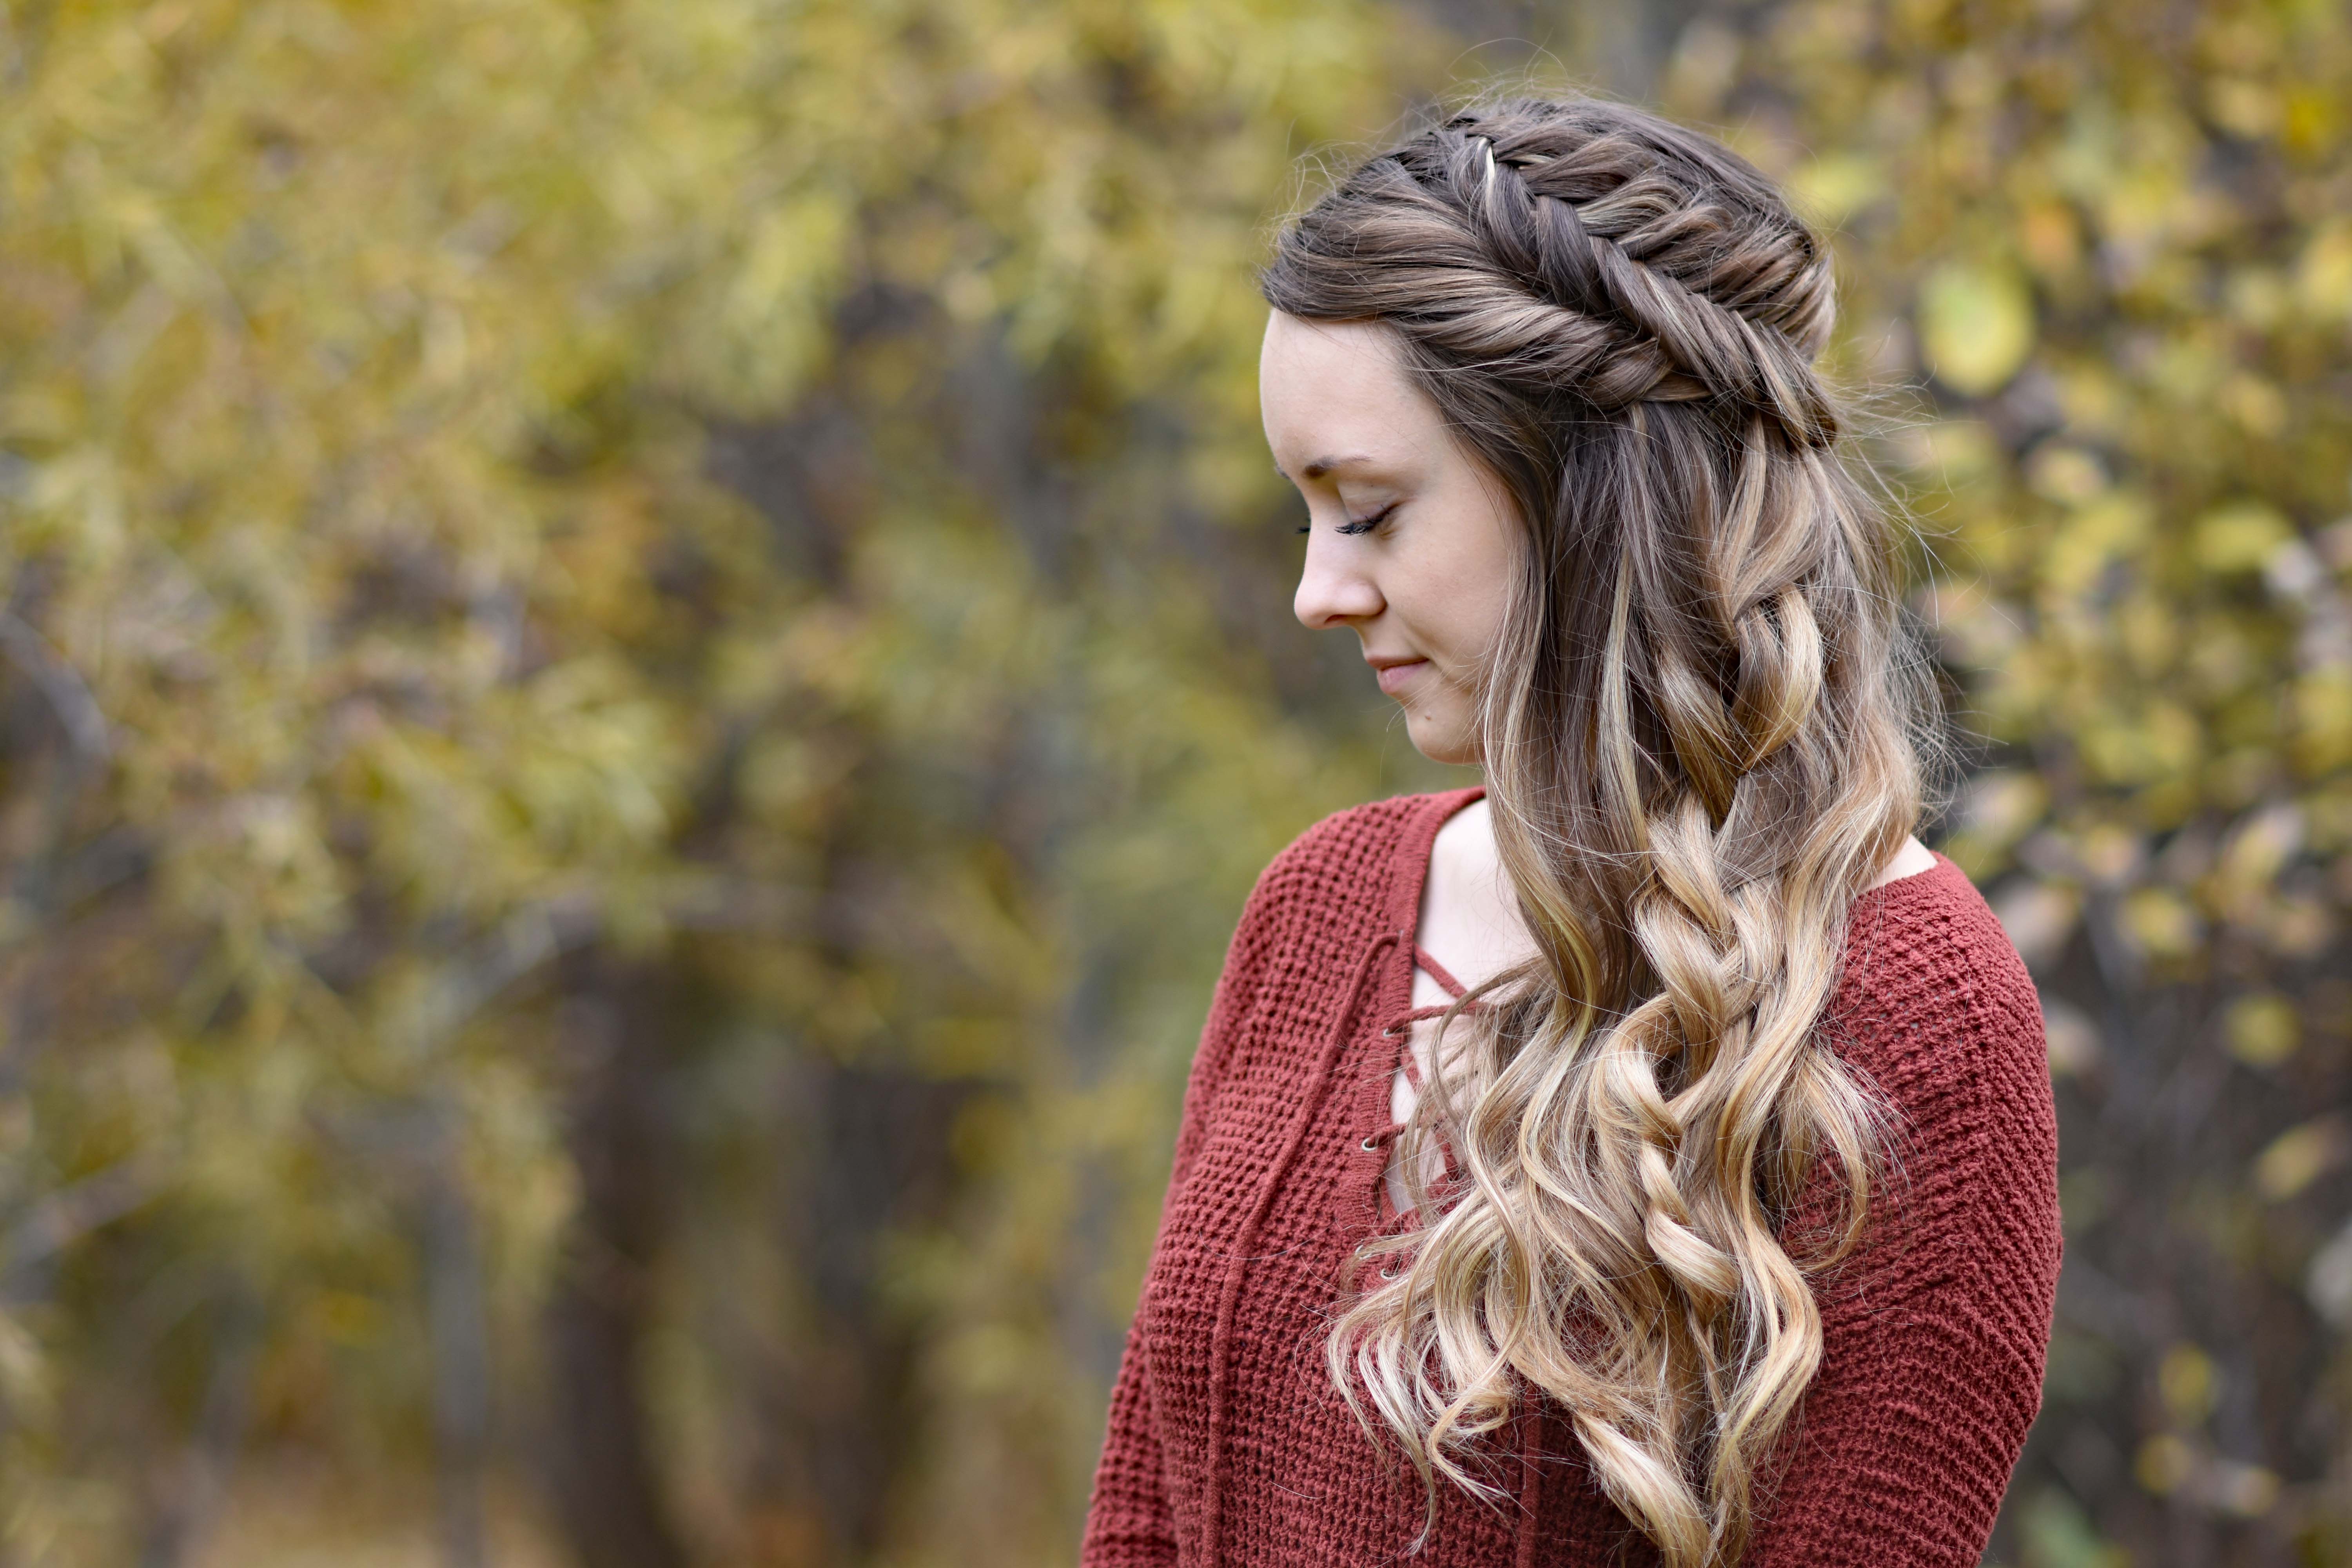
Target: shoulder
{"points": [[1934, 1333], [1937, 1011], [1932, 991], [1349, 863], [1335, 887]]}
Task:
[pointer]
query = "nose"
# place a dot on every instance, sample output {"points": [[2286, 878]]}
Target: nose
{"points": [[1333, 589]]}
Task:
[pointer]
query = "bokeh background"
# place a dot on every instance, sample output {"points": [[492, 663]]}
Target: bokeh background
{"points": [[644, 654]]}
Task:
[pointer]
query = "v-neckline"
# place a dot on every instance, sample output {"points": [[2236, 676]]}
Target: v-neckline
{"points": [[1416, 851], [1408, 880], [1409, 874]]}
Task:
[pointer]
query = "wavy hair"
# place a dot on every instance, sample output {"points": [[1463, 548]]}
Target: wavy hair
{"points": [[1701, 732]]}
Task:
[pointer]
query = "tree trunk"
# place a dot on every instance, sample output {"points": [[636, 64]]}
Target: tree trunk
{"points": [[607, 1491]]}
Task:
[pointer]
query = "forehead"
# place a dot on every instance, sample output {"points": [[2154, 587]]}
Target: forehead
{"points": [[1331, 388]]}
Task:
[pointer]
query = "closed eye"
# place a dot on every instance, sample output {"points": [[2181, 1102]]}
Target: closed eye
{"points": [[1356, 525]]}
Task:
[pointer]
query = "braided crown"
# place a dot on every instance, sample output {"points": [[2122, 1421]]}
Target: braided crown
{"points": [[1536, 242]]}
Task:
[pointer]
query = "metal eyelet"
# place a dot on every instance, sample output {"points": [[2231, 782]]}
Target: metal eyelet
{"points": [[1388, 1273], [1372, 1144]]}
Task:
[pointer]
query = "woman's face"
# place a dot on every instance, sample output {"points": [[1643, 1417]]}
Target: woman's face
{"points": [[1408, 542]]}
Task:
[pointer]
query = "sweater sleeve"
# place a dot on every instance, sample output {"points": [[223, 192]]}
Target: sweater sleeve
{"points": [[1936, 1331], [1129, 1521]]}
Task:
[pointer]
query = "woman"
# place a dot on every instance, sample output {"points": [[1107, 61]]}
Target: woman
{"points": [[1710, 1216]]}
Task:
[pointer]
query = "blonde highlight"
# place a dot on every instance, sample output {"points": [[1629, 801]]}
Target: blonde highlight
{"points": [[1698, 733]]}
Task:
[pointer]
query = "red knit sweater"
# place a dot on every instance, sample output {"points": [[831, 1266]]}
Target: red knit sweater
{"points": [[1228, 1446]]}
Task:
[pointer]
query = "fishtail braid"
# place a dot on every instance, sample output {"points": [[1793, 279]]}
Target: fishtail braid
{"points": [[1698, 733]]}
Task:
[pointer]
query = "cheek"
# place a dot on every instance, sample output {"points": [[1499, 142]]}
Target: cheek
{"points": [[1460, 608], [1498, 568]]}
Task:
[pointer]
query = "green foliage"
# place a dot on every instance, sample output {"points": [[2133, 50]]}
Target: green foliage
{"points": [[644, 656], [388, 666]]}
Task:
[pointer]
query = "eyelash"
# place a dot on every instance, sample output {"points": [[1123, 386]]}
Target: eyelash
{"points": [[1363, 525]]}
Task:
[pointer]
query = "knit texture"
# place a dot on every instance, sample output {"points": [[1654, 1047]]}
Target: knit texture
{"points": [[1227, 1443]]}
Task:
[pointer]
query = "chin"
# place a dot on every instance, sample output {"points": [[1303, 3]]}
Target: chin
{"points": [[1451, 743]]}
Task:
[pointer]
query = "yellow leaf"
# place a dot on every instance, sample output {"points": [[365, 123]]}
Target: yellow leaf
{"points": [[2110, 526], [1831, 188], [1975, 324], [2190, 1382], [2000, 807], [2314, 117], [2240, 537], [2249, 1491], [2323, 707], [2161, 922], [2300, 1156], [2258, 850], [2323, 281], [2262, 1030], [2248, 109], [2163, 1464], [2066, 474]]}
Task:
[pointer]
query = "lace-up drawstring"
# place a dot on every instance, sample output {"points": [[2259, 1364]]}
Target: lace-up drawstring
{"points": [[1228, 1294], [1409, 1063]]}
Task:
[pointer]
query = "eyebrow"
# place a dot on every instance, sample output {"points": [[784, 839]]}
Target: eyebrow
{"points": [[1322, 466]]}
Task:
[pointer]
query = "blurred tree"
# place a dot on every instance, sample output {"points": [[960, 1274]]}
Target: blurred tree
{"points": [[618, 620]]}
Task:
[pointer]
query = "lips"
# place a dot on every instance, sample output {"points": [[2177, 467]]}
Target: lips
{"points": [[1395, 676]]}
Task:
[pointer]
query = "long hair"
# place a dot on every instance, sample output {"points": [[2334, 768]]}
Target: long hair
{"points": [[1698, 729]]}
